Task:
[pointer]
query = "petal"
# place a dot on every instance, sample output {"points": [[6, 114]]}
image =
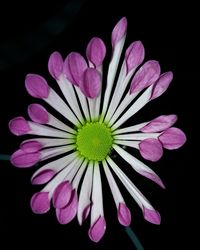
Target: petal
{"points": [[119, 31], [62, 194], [134, 55], [55, 65], [91, 83], [147, 75], [40, 202], [151, 149], [161, 85], [31, 146], [38, 113], [36, 86], [23, 159], [19, 126], [98, 229], [159, 124], [67, 214], [172, 138], [152, 216], [96, 51], [43, 177], [152, 177], [124, 215], [73, 68]]}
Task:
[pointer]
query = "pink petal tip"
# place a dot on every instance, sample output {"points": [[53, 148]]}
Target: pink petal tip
{"points": [[19, 126], [159, 124], [119, 31], [134, 55], [124, 215], [161, 85], [38, 113], [97, 230], [172, 138], [67, 214], [23, 159], [147, 75], [36, 86], [62, 194], [42, 177], [96, 51], [153, 177], [91, 83], [152, 216], [40, 203], [55, 65], [151, 149], [31, 146]]}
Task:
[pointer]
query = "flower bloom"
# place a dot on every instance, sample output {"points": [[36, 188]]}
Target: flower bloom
{"points": [[82, 144]]}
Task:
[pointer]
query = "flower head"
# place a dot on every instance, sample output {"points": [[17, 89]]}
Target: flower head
{"points": [[80, 147]]}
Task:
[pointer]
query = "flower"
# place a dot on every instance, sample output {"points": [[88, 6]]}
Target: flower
{"points": [[82, 146]]}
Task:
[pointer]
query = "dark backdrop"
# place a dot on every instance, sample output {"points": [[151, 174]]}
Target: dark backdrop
{"points": [[29, 33]]}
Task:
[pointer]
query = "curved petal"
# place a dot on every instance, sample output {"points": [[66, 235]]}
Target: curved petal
{"points": [[96, 51], [172, 138], [38, 113], [23, 159], [91, 84], [151, 149], [40, 203], [98, 229], [43, 177], [124, 215], [119, 31], [161, 85], [36, 86], [134, 55], [160, 123], [55, 65], [19, 126]]}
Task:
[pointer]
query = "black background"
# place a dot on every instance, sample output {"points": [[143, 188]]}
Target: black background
{"points": [[166, 32]]}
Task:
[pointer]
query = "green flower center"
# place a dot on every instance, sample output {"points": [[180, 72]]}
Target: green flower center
{"points": [[94, 141]]}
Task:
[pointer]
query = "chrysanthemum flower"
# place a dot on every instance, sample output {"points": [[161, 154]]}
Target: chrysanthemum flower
{"points": [[82, 145]]}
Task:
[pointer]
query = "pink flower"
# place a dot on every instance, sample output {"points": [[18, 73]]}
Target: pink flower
{"points": [[78, 146]]}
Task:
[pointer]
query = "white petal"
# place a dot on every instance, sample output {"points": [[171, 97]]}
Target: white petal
{"points": [[130, 129], [113, 186], [57, 165], [52, 152], [79, 174], [140, 103], [85, 193], [83, 101], [112, 72], [136, 136], [59, 105], [97, 197], [39, 129], [50, 142], [132, 189]]}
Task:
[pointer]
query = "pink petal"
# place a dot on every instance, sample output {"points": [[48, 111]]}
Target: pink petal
{"points": [[62, 194], [172, 138], [159, 124], [96, 51], [98, 229], [40, 202], [31, 146], [119, 31], [19, 126], [23, 159], [43, 177], [91, 83], [152, 216], [161, 85], [124, 215], [147, 75], [134, 55], [151, 149], [67, 214], [73, 68], [38, 113], [36, 86], [55, 65], [153, 177]]}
